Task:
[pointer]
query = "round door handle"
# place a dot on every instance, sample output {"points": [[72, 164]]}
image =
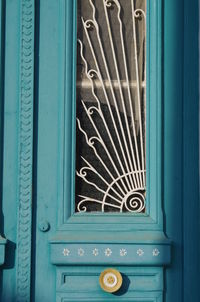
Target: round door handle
{"points": [[44, 226], [110, 280]]}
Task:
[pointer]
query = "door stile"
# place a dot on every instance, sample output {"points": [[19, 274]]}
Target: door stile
{"points": [[2, 36], [173, 143], [191, 225]]}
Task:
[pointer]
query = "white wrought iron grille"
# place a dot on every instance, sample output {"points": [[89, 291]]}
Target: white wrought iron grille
{"points": [[110, 152]]}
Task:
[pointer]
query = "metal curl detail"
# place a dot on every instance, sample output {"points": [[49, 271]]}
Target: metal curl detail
{"points": [[92, 73], [90, 24], [109, 3], [134, 202], [92, 109], [81, 207], [138, 13]]}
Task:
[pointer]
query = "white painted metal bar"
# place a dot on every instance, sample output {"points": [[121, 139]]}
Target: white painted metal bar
{"points": [[138, 85], [89, 74], [129, 181], [90, 143], [107, 4]]}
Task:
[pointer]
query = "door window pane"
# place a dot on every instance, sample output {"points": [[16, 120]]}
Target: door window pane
{"points": [[111, 109]]}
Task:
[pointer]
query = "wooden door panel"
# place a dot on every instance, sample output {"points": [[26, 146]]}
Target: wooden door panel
{"points": [[52, 252]]}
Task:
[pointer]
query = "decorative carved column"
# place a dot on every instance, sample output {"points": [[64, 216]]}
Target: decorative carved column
{"points": [[26, 96]]}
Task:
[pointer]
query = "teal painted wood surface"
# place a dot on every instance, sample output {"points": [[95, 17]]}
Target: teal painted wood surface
{"points": [[25, 151], [10, 145], [111, 254], [50, 89], [173, 144], [191, 225], [2, 250], [2, 240], [55, 145], [66, 187], [140, 284], [181, 147], [143, 279], [172, 106]]}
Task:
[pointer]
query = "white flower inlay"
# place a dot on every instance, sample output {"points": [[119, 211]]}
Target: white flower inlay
{"points": [[81, 252], [155, 252], [123, 252], [108, 252], [66, 252], [140, 252], [95, 252]]}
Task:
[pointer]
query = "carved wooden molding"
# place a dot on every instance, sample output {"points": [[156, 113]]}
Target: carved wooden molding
{"points": [[25, 150], [142, 284], [118, 254]]}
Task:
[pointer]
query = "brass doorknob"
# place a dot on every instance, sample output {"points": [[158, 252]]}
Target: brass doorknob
{"points": [[110, 280]]}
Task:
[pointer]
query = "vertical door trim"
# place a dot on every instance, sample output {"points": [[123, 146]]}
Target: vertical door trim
{"points": [[191, 225], [2, 240], [25, 150]]}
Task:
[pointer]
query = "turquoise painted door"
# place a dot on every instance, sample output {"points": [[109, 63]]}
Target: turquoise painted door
{"points": [[57, 235]]}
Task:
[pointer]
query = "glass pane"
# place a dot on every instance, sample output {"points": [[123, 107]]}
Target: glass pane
{"points": [[110, 136]]}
